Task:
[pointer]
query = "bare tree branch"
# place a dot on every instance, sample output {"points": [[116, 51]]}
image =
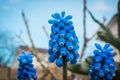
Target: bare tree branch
{"points": [[101, 24], [118, 18], [84, 19], [106, 35], [84, 29], [46, 32], [28, 30], [33, 46]]}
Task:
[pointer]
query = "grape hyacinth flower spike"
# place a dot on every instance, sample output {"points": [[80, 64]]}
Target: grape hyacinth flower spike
{"points": [[63, 42], [102, 65], [26, 70]]}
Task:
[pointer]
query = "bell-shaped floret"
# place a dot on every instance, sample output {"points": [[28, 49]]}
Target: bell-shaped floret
{"points": [[55, 47], [101, 73], [55, 38], [69, 57], [108, 77], [59, 62], [107, 45], [67, 28], [74, 61], [106, 68], [62, 33], [76, 55], [62, 14], [97, 66], [61, 42], [69, 45], [68, 17], [98, 46], [51, 58], [56, 55], [69, 36], [63, 51], [98, 59], [52, 21], [96, 52]]}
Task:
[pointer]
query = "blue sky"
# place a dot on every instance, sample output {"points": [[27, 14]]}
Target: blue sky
{"points": [[38, 12]]}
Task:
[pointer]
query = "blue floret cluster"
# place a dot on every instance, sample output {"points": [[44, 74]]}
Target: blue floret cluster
{"points": [[102, 65], [63, 40], [26, 70]]}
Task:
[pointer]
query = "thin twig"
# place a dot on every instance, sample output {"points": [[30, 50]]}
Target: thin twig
{"points": [[84, 24], [44, 28], [98, 22]]}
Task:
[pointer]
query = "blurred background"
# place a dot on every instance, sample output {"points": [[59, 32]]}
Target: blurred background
{"points": [[24, 25]]}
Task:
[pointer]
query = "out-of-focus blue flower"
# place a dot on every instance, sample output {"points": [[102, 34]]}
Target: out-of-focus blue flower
{"points": [[74, 61], [102, 65], [26, 70], [63, 40], [106, 68], [97, 66]]}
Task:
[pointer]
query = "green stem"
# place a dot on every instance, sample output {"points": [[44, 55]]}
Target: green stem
{"points": [[64, 68]]}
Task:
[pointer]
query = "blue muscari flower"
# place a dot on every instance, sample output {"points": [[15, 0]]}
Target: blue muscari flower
{"points": [[102, 65], [76, 55], [59, 62], [63, 51], [69, 56], [96, 52], [55, 38], [63, 40], [106, 68], [55, 55], [62, 33], [97, 66], [49, 51], [70, 37], [55, 47], [98, 46], [108, 77], [74, 61], [98, 59], [69, 45], [51, 58], [26, 70], [101, 73]]}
